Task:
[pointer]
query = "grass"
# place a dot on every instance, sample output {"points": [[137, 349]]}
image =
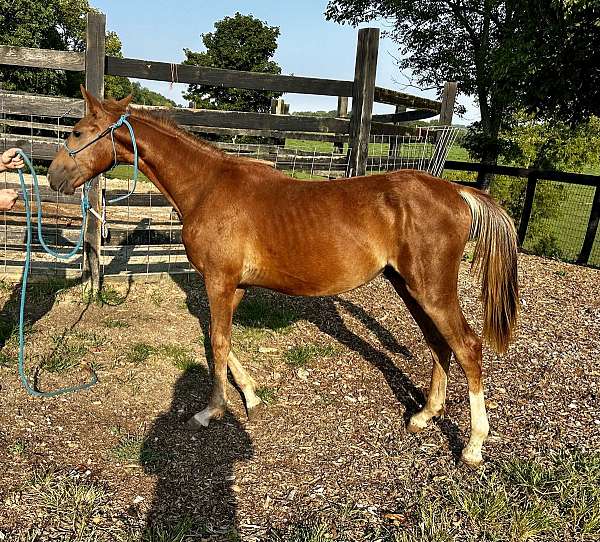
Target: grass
{"points": [[267, 394], [260, 313], [66, 353], [133, 448], [301, 356], [115, 323], [556, 498], [69, 348], [125, 171], [139, 353], [178, 533], [17, 448], [42, 291], [180, 356], [69, 503]]}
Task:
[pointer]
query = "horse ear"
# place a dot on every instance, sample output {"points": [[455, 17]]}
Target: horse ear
{"points": [[93, 104], [125, 101]]}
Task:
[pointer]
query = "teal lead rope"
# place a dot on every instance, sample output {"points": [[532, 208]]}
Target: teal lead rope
{"points": [[84, 208]]}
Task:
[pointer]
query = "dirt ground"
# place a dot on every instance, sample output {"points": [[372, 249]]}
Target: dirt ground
{"points": [[330, 451]]}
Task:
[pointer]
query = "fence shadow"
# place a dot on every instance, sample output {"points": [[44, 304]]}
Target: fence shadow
{"points": [[195, 471]]}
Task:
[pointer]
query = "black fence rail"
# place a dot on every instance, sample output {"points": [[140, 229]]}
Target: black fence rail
{"points": [[576, 207]]}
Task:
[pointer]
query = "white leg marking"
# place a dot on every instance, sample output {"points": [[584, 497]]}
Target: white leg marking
{"points": [[480, 428]]}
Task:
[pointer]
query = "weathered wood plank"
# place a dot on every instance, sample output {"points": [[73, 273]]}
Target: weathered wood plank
{"points": [[365, 71], [39, 149], [182, 73], [309, 136], [448, 99], [42, 58], [40, 106], [406, 116], [393, 97], [257, 121], [61, 128], [94, 83]]}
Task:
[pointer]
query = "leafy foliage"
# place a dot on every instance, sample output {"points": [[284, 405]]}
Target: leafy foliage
{"points": [[46, 24], [59, 25], [501, 52], [241, 42]]}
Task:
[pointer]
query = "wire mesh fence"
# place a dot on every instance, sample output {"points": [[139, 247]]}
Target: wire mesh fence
{"points": [[145, 233], [559, 219], [39, 138]]}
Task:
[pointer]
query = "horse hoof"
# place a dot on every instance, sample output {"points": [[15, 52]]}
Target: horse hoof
{"points": [[415, 425], [200, 420], [471, 459], [256, 412]]}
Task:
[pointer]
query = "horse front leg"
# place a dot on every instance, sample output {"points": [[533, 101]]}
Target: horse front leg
{"points": [[221, 296]]}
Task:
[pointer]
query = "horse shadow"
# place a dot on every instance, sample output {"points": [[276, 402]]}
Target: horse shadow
{"points": [[324, 313], [196, 488]]}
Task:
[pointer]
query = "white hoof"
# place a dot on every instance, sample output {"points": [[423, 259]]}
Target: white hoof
{"points": [[418, 422], [252, 401], [202, 419], [472, 457]]}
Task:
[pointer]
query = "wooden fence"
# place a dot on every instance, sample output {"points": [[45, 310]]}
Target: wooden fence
{"points": [[355, 130]]}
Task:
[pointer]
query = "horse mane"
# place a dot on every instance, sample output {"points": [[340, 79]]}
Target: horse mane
{"points": [[160, 119]]}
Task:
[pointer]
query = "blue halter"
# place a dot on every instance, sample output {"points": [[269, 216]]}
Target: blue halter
{"points": [[111, 130]]}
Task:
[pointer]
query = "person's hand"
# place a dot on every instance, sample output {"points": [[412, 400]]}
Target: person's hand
{"points": [[8, 197], [11, 160]]}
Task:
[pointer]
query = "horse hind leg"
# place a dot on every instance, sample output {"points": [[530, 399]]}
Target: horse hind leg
{"points": [[445, 314], [247, 384], [440, 353], [242, 379], [221, 301]]}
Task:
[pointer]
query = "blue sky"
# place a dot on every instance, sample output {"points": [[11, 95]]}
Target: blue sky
{"points": [[308, 45]]}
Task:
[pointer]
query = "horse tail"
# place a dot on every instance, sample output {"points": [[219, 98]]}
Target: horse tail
{"points": [[495, 262]]}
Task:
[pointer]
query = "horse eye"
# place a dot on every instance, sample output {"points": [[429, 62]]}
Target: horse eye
{"points": [[76, 133]]}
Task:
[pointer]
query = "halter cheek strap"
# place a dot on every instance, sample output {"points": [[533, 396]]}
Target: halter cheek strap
{"points": [[111, 130]]}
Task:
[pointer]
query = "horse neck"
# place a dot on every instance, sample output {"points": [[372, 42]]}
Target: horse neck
{"points": [[179, 168]]}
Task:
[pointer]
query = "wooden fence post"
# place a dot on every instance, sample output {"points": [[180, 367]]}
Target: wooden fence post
{"points": [[342, 113], [280, 107], [363, 95], [448, 99], [527, 206], [94, 83], [592, 228]]}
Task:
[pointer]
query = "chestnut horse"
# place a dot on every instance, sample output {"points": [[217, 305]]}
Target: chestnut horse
{"points": [[247, 224]]}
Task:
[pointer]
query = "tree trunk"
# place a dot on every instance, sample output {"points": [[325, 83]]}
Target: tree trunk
{"points": [[484, 180]]}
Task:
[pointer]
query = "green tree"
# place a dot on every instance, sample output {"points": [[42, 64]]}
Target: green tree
{"points": [[485, 45], [145, 96], [115, 86], [46, 24], [241, 42], [558, 59], [59, 25]]}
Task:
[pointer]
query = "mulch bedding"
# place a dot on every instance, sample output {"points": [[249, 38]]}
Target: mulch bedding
{"points": [[332, 445]]}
